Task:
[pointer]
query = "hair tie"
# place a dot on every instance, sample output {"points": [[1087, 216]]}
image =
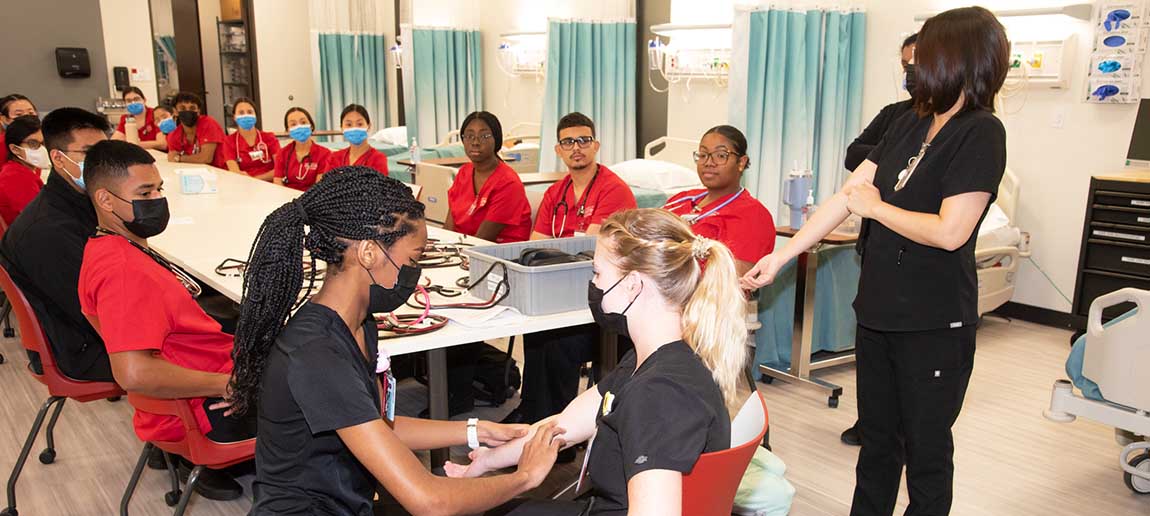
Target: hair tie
{"points": [[301, 211], [701, 248]]}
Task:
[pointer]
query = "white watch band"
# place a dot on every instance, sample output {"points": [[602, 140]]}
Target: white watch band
{"points": [[473, 433]]}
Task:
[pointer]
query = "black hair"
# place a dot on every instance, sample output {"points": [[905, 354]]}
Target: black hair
{"points": [[960, 53], [61, 123], [109, 160], [355, 108], [133, 89], [295, 109], [20, 129], [735, 136], [575, 119], [243, 100], [350, 204], [188, 97], [910, 40], [165, 107], [492, 122], [7, 100]]}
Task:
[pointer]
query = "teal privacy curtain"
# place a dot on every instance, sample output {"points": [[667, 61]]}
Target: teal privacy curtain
{"points": [[591, 69], [352, 70], [799, 99], [447, 82]]}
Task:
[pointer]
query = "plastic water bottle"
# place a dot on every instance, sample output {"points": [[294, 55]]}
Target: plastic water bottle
{"points": [[416, 156], [809, 207], [131, 130]]}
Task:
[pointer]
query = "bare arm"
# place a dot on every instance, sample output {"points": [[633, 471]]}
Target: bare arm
{"points": [[449, 223], [742, 267], [145, 373], [656, 492], [204, 157], [118, 135], [278, 181], [949, 229], [427, 434], [593, 229], [535, 235], [266, 176], [489, 231], [234, 167], [161, 142]]}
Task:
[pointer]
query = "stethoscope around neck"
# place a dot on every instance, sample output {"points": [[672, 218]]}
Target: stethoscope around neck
{"points": [[567, 208], [692, 219]]}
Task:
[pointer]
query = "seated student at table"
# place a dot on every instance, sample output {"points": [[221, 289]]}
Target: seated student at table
{"points": [[356, 124], [148, 134], [199, 138], [12, 106], [20, 175], [160, 342], [323, 388], [676, 294], [43, 248], [724, 210], [250, 150], [302, 160], [487, 199], [165, 124]]}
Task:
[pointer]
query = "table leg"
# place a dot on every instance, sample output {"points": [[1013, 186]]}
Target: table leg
{"points": [[437, 398]]}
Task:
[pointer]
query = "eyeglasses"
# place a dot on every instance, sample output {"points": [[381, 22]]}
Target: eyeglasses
{"points": [[473, 138], [717, 157], [583, 142], [31, 144]]}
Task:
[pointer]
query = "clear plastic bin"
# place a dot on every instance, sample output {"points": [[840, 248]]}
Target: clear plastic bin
{"points": [[543, 290]]}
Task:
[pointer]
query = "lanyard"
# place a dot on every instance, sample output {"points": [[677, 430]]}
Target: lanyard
{"points": [[567, 208], [260, 147], [692, 219]]}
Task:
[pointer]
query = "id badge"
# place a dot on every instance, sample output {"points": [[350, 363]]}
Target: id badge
{"points": [[256, 155], [580, 234], [389, 403]]}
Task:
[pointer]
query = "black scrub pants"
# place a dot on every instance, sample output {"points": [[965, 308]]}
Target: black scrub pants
{"points": [[551, 363], [910, 390]]}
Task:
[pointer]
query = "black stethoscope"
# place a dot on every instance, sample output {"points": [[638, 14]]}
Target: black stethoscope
{"points": [[567, 208]]}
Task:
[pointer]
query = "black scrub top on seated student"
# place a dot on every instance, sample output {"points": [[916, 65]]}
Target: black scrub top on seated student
{"points": [[906, 286], [662, 416], [315, 381]]}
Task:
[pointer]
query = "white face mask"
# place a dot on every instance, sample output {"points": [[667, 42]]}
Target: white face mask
{"points": [[37, 158]]}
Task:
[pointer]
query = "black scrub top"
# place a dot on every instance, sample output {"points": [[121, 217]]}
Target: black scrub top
{"points": [[906, 286], [315, 381], [663, 416]]}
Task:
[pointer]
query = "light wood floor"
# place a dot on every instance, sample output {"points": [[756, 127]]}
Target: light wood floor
{"points": [[1009, 459]]}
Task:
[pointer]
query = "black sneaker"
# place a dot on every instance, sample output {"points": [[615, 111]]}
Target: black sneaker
{"points": [[851, 436], [213, 484]]}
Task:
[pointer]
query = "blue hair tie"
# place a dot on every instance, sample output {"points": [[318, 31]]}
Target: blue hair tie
{"points": [[1105, 91]]}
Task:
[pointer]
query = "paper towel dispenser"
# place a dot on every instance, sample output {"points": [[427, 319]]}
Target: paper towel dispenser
{"points": [[72, 63]]}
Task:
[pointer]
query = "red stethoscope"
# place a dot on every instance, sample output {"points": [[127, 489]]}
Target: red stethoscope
{"points": [[306, 167], [261, 148], [692, 218]]}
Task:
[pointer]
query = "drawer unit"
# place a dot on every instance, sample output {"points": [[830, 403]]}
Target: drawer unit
{"points": [[1122, 215], [1115, 249], [1118, 257]]}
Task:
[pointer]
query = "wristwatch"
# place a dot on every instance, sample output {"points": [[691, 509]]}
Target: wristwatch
{"points": [[473, 433]]}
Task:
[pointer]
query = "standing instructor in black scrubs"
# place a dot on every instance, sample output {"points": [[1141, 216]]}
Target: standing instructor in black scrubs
{"points": [[921, 192]]}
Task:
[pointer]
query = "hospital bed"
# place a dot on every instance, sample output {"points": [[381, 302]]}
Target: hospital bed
{"points": [[1108, 365], [520, 146], [1000, 247]]}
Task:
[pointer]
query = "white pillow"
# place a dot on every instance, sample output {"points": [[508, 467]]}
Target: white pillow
{"points": [[654, 174], [392, 135]]}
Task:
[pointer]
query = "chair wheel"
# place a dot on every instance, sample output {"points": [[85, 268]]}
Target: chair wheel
{"points": [[9, 333], [833, 402], [1136, 484], [172, 498], [48, 456], [11, 511]]}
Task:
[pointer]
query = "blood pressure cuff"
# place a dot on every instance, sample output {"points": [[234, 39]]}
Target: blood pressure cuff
{"points": [[538, 257]]}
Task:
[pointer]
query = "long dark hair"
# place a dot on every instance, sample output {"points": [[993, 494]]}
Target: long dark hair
{"points": [[350, 204], [961, 52]]}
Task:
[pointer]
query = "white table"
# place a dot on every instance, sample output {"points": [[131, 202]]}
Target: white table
{"points": [[207, 228]]}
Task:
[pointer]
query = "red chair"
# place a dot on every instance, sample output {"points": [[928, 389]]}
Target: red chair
{"points": [[709, 489], [195, 447], [60, 387]]}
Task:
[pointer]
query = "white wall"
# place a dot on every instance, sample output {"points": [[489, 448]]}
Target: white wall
{"points": [[128, 42], [284, 58]]}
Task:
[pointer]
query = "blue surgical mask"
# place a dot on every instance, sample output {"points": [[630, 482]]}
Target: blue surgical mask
{"points": [[168, 125], [246, 122], [136, 108], [300, 133], [78, 180], [355, 135]]}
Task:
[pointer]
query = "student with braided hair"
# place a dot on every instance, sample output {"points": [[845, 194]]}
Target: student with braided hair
{"points": [[677, 296], [327, 429]]}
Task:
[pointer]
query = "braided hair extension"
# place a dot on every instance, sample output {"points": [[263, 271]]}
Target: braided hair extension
{"points": [[350, 204]]}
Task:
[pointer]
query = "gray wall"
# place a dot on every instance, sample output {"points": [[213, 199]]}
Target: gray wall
{"points": [[32, 29], [651, 119]]}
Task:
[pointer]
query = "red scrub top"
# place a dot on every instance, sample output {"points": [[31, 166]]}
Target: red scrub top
{"points": [[19, 184], [371, 159], [147, 130], [3, 148], [604, 196], [741, 222], [301, 174], [207, 131], [137, 304], [255, 159], [502, 199]]}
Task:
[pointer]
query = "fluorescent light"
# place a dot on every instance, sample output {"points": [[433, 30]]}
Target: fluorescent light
{"points": [[1078, 11]]}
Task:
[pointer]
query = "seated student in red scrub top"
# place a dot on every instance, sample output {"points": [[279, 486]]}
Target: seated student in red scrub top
{"points": [[148, 134], [249, 150], [580, 202], [199, 138], [160, 342], [20, 175], [166, 123], [356, 124], [576, 205], [12, 106], [724, 210], [487, 199], [302, 160]]}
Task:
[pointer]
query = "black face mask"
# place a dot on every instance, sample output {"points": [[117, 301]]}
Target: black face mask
{"points": [[189, 118], [615, 322], [149, 216], [383, 300], [910, 80]]}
